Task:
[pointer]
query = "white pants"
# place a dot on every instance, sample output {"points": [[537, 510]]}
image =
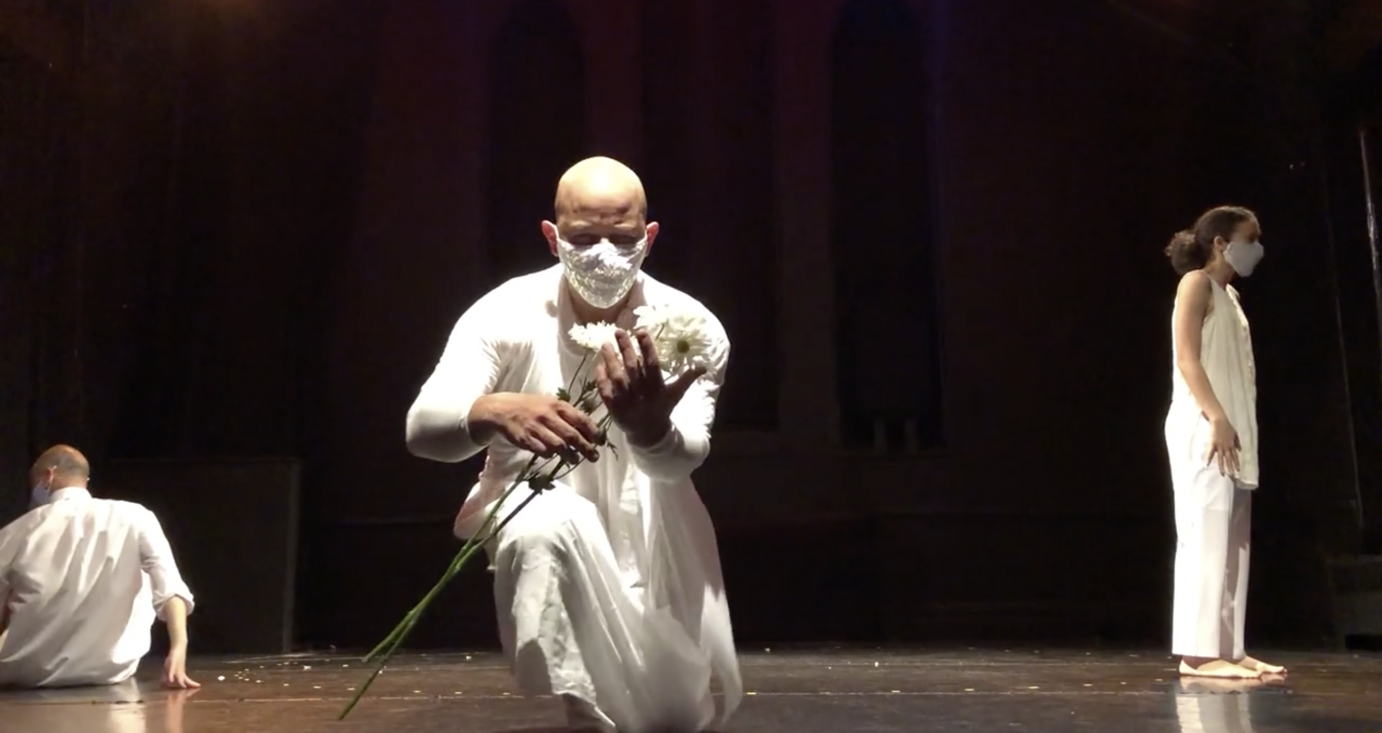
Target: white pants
{"points": [[573, 624], [1213, 540]]}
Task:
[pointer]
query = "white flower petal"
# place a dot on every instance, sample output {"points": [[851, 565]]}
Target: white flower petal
{"points": [[649, 317], [680, 338], [593, 336]]}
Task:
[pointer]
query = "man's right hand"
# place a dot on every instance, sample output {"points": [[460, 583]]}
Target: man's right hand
{"points": [[539, 423]]}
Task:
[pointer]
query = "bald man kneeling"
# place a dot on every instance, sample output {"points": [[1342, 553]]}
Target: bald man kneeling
{"points": [[82, 580], [608, 587]]}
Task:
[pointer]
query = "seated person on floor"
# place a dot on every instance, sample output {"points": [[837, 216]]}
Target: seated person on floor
{"points": [[82, 580]]}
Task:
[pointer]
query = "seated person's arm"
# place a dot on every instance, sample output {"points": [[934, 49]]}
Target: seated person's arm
{"points": [[172, 598], [175, 666], [6, 598], [175, 618]]}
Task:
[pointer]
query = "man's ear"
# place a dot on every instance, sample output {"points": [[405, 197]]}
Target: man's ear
{"points": [[549, 232], [653, 229]]}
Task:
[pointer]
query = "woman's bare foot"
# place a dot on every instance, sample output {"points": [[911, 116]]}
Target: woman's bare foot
{"points": [[1219, 685], [1217, 668], [1261, 667]]}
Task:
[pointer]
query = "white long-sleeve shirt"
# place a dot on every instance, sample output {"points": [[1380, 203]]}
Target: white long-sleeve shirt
{"points": [[84, 579], [515, 339]]}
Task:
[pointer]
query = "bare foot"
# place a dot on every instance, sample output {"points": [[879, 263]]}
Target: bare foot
{"points": [[1220, 669], [1219, 685], [1261, 667]]}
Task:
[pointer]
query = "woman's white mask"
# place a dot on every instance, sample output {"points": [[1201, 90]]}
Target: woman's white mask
{"points": [[1243, 256]]}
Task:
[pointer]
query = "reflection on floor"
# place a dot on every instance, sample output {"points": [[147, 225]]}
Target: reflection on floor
{"points": [[799, 691]]}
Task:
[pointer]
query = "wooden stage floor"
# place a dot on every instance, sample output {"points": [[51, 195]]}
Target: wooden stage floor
{"points": [[820, 690]]}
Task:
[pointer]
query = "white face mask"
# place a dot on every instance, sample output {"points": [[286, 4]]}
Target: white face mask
{"points": [[1243, 256], [39, 494], [601, 274]]}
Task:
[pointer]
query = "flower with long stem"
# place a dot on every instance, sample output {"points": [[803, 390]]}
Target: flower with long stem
{"points": [[539, 478], [681, 343]]}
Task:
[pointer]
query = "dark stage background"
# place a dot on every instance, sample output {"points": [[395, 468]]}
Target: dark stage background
{"points": [[933, 229]]}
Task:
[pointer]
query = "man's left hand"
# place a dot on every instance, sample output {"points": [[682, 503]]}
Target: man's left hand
{"points": [[175, 671], [632, 387]]}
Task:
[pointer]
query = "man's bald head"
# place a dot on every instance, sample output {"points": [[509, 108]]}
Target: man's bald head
{"points": [[600, 188], [62, 466], [600, 202]]}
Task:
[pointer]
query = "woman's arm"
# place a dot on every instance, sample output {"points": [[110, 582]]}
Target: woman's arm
{"points": [[1193, 299]]}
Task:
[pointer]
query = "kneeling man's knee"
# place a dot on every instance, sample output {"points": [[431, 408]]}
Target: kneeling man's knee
{"points": [[553, 529]]}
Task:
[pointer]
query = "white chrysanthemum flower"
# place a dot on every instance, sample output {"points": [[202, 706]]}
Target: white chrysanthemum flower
{"points": [[650, 317], [681, 339], [593, 336]]}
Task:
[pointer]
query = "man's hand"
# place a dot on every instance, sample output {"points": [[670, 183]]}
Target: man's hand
{"points": [[634, 391], [175, 671], [539, 423]]}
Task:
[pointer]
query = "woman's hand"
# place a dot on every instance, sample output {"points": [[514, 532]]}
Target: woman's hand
{"points": [[1223, 446]]}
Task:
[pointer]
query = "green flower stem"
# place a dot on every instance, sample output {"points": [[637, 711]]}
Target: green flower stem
{"points": [[403, 629], [564, 466], [394, 638], [576, 374], [400, 632]]}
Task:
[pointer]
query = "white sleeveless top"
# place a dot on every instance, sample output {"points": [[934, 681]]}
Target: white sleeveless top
{"points": [[1226, 353]]}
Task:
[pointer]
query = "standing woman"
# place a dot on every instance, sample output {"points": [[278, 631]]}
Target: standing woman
{"points": [[1211, 437]]}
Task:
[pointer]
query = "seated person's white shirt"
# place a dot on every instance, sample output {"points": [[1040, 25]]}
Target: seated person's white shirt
{"points": [[85, 578]]}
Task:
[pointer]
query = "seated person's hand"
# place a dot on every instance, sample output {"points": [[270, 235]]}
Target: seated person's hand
{"points": [[175, 671]]}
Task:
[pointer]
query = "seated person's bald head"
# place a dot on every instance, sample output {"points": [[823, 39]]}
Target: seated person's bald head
{"points": [[61, 465]]}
